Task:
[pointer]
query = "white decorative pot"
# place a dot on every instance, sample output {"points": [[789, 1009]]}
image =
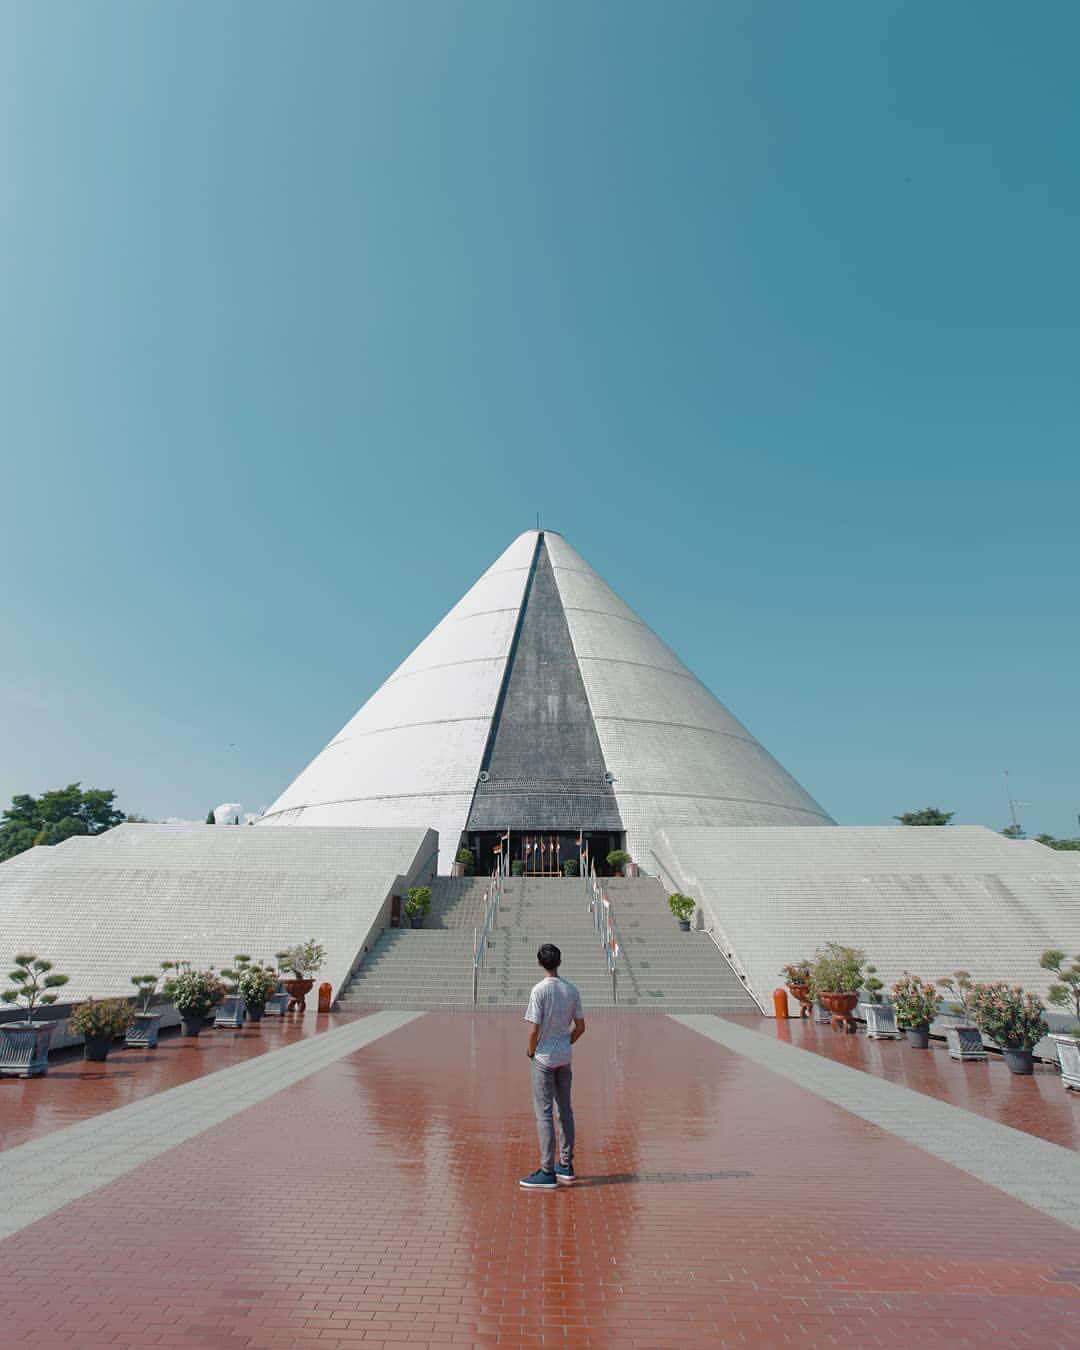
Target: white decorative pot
{"points": [[880, 1021], [1068, 1048], [964, 1041]]}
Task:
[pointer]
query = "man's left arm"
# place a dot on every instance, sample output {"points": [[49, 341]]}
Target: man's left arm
{"points": [[534, 1039]]}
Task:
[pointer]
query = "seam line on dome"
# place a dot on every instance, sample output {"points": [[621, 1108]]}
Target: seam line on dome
{"points": [[683, 674], [442, 665], [715, 797], [684, 726], [401, 726], [376, 797]]}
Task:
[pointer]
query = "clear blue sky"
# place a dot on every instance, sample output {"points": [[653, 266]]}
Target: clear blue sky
{"points": [[771, 309]]}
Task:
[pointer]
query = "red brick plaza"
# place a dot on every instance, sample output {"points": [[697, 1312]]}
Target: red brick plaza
{"points": [[374, 1202]]}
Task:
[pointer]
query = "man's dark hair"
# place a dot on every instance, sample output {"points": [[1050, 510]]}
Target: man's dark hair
{"points": [[549, 957]]}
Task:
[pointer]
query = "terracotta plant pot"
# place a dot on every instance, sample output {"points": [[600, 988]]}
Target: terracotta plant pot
{"points": [[841, 1006], [298, 991], [801, 994]]}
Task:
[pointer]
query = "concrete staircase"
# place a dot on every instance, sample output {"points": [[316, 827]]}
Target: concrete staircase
{"points": [[660, 967]]}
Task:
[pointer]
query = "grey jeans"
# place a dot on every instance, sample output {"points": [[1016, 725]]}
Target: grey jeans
{"points": [[552, 1087]]}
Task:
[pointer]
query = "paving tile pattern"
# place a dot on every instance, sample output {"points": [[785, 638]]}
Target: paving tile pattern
{"points": [[374, 1204]]}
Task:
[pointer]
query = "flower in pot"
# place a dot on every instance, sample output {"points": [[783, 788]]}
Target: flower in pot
{"points": [[304, 961], [99, 1022], [194, 993], [962, 1036], [682, 906], [836, 977], [417, 905], [1066, 995], [571, 868], [916, 1004], [145, 1023], [1013, 1020], [257, 984], [880, 1016], [619, 861], [24, 1045], [797, 978]]}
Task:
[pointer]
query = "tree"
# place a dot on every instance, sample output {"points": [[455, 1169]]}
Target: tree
{"points": [[1013, 831], [210, 817], [929, 815], [1070, 845], [55, 816]]}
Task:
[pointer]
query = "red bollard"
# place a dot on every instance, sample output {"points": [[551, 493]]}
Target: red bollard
{"points": [[324, 997], [780, 1003]]}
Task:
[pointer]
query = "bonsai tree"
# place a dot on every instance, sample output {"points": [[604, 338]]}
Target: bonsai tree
{"points": [[618, 858], [1011, 1018], [798, 975], [682, 906], [305, 960], [233, 973], [465, 857], [928, 815], [837, 969], [517, 868], [960, 988], [418, 901], [256, 984], [571, 868], [872, 985], [32, 984], [1067, 993], [916, 1002], [146, 987], [102, 1019]]}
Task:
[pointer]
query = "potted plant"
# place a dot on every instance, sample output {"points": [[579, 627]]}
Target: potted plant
{"points": [[1013, 1020], [305, 960], [417, 905], [1065, 995], [463, 864], [145, 1024], [517, 867], [99, 1022], [962, 1036], [797, 979], [682, 906], [880, 1016], [837, 976], [232, 1010], [278, 1002], [916, 1007], [620, 861], [257, 985], [194, 993], [571, 868], [24, 1046]]}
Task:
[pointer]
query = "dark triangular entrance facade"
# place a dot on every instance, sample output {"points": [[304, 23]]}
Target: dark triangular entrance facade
{"points": [[543, 768]]}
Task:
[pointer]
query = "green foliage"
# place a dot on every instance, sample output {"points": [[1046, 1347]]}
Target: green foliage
{"points": [[233, 973], [1010, 1017], [929, 815], [146, 986], [960, 988], [1067, 845], [195, 992], [32, 983], [464, 855], [1067, 993], [517, 868], [305, 960], [211, 819], [916, 1001], [682, 906], [55, 816], [799, 972], [618, 857], [256, 984], [571, 868], [838, 969], [872, 984], [1013, 831], [102, 1017], [418, 901]]}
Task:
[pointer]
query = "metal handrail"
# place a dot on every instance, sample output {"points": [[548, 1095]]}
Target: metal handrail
{"points": [[600, 908], [481, 935]]}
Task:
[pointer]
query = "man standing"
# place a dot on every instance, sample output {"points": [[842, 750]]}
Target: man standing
{"points": [[557, 1022]]}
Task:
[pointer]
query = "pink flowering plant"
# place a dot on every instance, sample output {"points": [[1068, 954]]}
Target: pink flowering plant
{"points": [[916, 1001], [1011, 1018]]}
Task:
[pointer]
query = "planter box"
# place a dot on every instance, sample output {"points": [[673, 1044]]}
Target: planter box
{"points": [[1068, 1048], [231, 1012], [880, 1021], [24, 1048], [277, 1004], [965, 1042], [144, 1031]]}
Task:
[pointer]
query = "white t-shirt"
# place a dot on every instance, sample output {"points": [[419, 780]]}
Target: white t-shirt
{"points": [[553, 1005]]}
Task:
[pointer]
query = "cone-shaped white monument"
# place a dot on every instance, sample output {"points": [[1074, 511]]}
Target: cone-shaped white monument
{"points": [[543, 705]]}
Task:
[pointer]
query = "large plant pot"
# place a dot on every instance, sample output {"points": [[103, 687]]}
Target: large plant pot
{"points": [[965, 1042], [684, 925], [254, 1012], [1068, 1048], [801, 994], [416, 921], [143, 1031], [96, 1048], [298, 991], [24, 1048], [277, 1004], [918, 1037], [880, 1021], [193, 1022], [840, 1007], [231, 1011], [1020, 1061], [822, 1015]]}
